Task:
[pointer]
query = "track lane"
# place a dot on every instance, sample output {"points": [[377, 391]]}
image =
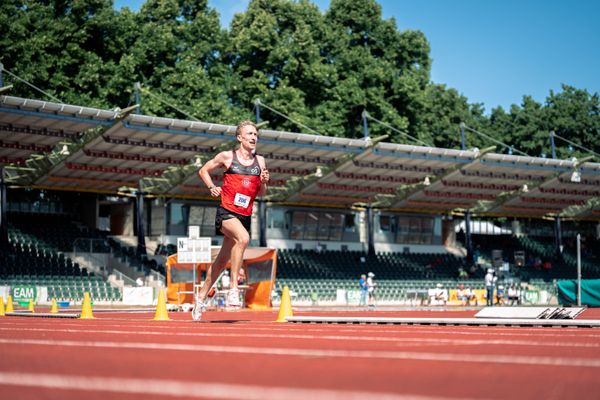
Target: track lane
{"points": [[437, 362]]}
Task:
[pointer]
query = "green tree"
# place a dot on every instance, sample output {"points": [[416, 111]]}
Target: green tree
{"points": [[379, 68], [443, 111], [69, 48], [275, 53], [574, 114]]}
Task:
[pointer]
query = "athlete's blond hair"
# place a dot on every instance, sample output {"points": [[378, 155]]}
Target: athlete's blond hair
{"points": [[241, 125]]}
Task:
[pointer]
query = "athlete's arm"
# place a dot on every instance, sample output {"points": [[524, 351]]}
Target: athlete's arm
{"points": [[221, 160], [264, 176]]}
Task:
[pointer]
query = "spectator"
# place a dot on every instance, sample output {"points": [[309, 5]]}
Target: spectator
{"points": [[364, 290], [371, 288], [500, 295], [225, 281], [461, 294], [470, 296], [462, 274], [440, 295], [490, 281], [242, 276], [513, 295], [139, 281]]}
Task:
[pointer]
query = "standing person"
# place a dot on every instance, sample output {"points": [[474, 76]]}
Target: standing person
{"points": [[245, 177], [241, 276], [363, 290], [489, 287], [371, 288], [513, 295]]}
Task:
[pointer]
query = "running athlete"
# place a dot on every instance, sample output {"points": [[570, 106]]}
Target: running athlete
{"points": [[244, 179]]}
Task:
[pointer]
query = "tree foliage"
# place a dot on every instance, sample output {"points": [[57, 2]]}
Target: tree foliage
{"points": [[321, 69]]}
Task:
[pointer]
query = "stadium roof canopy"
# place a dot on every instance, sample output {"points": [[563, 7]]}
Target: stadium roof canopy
{"points": [[67, 147]]}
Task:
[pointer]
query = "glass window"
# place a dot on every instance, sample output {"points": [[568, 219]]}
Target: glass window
{"points": [[311, 226], [415, 230], [385, 223], [297, 231], [335, 227], [276, 218], [350, 223]]}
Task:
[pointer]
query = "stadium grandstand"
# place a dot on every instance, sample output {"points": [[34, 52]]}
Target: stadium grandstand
{"points": [[93, 200]]}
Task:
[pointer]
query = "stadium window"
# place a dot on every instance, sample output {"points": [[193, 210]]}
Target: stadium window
{"points": [[276, 218], [414, 230], [311, 226], [426, 230], [403, 230], [297, 231], [324, 225], [349, 223], [336, 227], [177, 219], [385, 223]]}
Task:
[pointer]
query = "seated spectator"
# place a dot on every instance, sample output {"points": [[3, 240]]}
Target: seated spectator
{"points": [[513, 295], [470, 295], [241, 276], [461, 294], [225, 280], [462, 274], [547, 265], [500, 295], [439, 295]]}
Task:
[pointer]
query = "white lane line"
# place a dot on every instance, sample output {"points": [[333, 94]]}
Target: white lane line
{"points": [[398, 340], [190, 389], [280, 351], [366, 329]]}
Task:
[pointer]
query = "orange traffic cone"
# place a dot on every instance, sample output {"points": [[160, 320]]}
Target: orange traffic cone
{"points": [[285, 308], [9, 305], [86, 309], [161, 308], [54, 309]]}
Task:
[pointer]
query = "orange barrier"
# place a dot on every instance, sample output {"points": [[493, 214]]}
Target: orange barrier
{"points": [[259, 263]]}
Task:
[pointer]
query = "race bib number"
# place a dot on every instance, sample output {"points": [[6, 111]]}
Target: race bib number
{"points": [[241, 200]]}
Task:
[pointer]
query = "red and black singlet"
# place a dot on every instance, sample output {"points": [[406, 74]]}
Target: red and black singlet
{"points": [[241, 184]]}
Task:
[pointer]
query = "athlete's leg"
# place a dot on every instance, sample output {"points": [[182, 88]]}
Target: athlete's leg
{"points": [[217, 266], [234, 230]]}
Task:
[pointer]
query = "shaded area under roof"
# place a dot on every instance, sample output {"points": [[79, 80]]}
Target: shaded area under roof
{"points": [[67, 147]]}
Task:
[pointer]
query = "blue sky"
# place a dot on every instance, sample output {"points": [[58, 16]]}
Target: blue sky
{"points": [[492, 51]]}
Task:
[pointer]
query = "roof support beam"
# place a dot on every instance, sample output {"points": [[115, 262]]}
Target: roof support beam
{"points": [[40, 165]]}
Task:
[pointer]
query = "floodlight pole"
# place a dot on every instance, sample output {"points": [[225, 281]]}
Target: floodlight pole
{"points": [[469, 242], [139, 197], [578, 270], [370, 232], [558, 235], [463, 145], [365, 125], [257, 108], [3, 221], [138, 99], [552, 144], [262, 223]]}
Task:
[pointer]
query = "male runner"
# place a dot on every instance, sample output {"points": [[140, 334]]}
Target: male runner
{"points": [[244, 179]]}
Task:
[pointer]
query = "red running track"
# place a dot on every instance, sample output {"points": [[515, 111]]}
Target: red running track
{"points": [[244, 355]]}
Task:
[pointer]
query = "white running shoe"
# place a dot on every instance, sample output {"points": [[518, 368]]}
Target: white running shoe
{"points": [[233, 298], [199, 308]]}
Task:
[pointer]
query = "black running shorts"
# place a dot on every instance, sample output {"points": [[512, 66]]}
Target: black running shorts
{"points": [[223, 214]]}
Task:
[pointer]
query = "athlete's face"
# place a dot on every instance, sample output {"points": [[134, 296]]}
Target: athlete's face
{"points": [[248, 137]]}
